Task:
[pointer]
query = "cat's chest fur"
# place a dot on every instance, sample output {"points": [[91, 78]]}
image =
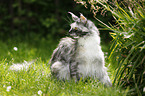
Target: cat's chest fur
{"points": [[89, 54]]}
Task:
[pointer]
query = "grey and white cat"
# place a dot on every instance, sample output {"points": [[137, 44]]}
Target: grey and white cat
{"points": [[80, 56]]}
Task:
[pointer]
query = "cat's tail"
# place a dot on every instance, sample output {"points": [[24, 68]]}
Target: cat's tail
{"points": [[21, 66]]}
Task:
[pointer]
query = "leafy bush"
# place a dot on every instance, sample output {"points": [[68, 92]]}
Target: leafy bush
{"points": [[27, 18], [128, 46], [32, 19]]}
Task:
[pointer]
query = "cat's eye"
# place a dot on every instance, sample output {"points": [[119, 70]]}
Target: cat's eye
{"points": [[76, 28]]}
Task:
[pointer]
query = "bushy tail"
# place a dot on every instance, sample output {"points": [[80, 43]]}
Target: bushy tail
{"points": [[21, 66]]}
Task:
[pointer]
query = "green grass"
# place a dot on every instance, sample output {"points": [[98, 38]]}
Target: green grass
{"points": [[38, 78]]}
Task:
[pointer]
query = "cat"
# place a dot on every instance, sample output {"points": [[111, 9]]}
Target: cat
{"points": [[80, 55]]}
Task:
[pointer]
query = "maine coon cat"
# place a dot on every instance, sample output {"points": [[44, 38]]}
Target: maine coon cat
{"points": [[80, 55]]}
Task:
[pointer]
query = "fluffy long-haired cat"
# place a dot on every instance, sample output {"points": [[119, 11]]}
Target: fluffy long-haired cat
{"points": [[80, 55]]}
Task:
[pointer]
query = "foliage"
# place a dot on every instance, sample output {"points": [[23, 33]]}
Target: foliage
{"points": [[27, 18], [37, 79], [128, 48]]}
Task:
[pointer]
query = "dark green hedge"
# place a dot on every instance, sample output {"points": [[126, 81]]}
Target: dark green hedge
{"points": [[30, 19]]}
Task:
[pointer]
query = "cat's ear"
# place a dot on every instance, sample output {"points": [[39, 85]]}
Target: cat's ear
{"points": [[83, 19], [74, 17]]}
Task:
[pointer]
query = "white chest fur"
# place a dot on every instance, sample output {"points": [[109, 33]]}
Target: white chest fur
{"points": [[89, 56]]}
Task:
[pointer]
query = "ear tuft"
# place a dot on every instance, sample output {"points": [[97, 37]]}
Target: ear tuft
{"points": [[83, 18], [74, 17]]}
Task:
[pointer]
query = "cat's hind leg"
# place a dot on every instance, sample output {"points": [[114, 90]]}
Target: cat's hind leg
{"points": [[56, 66], [60, 70]]}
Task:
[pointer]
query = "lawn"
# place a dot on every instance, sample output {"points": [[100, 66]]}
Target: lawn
{"points": [[36, 80]]}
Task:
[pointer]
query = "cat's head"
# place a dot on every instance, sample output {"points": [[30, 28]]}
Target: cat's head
{"points": [[82, 27]]}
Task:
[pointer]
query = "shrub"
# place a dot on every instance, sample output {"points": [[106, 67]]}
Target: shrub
{"points": [[29, 19]]}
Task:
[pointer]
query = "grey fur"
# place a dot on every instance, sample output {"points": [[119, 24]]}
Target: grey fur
{"points": [[80, 56]]}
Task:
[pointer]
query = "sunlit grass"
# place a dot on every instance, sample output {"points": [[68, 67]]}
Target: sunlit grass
{"points": [[36, 80]]}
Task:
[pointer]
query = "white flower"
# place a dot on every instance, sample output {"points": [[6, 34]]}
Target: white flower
{"points": [[39, 92], [15, 48], [4, 85], [8, 88]]}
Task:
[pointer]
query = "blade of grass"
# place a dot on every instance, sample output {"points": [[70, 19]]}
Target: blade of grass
{"points": [[133, 67], [124, 61], [136, 86]]}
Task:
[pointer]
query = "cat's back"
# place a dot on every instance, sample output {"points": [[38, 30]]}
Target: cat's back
{"points": [[63, 51]]}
